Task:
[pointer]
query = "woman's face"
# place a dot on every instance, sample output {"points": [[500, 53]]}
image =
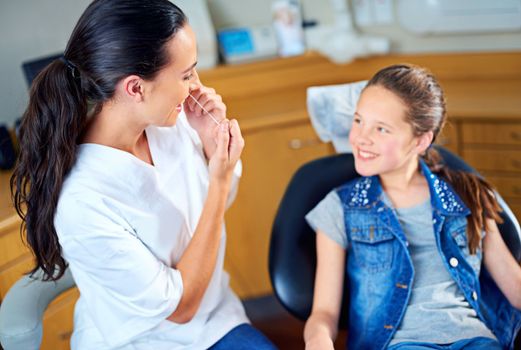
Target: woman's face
{"points": [[382, 140], [167, 92]]}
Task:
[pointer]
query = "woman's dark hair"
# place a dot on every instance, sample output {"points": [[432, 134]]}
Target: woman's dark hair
{"points": [[425, 101], [112, 39]]}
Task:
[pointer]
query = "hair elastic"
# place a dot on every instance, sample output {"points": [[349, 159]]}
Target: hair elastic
{"points": [[72, 67]]}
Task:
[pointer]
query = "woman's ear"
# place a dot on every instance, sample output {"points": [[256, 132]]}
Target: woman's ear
{"points": [[424, 141], [133, 88]]}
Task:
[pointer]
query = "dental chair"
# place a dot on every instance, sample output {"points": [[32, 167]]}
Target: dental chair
{"points": [[21, 311], [292, 254]]}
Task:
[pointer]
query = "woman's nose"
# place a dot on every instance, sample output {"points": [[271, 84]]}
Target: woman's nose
{"points": [[195, 77]]}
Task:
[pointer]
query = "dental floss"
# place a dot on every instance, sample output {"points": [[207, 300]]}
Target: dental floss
{"points": [[204, 109]]}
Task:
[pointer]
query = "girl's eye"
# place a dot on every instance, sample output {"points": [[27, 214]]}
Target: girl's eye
{"points": [[188, 77], [382, 130], [356, 120]]}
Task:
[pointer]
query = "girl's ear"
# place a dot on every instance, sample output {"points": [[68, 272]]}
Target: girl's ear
{"points": [[424, 141], [133, 87]]}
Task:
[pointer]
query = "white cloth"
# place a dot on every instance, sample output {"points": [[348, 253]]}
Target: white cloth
{"points": [[331, 109], [122, 224]]}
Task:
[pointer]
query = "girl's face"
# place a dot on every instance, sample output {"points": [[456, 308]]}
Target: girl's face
{"points": [[168, 90], [382, 141]]}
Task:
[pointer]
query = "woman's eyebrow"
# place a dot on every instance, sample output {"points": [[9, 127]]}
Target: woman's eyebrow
{"points": [[190, 68]]}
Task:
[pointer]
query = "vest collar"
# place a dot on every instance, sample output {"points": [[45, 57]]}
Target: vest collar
{"points": [[366, 191]]}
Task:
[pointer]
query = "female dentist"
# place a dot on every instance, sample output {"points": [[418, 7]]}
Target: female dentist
{"points": [[123, 177]]}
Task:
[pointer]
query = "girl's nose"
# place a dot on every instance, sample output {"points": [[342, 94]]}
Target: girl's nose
{"points": [[364, 137]]}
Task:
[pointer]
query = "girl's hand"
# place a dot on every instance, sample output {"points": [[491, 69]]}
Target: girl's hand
{"points": [[320, 343], [230, 144]]}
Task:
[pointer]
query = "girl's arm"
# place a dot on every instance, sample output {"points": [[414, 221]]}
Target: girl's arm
{"points": [[503, 268], [322, 326]]}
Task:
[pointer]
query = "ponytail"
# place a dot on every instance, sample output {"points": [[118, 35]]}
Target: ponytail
{"points": [[476, 193], [112, 40], [49, 133]]}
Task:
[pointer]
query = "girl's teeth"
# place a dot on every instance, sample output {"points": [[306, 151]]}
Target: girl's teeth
{"points": [[366, 154]]}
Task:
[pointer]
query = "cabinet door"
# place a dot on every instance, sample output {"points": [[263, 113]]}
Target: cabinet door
{"points": [[506, 161], [270, 158], [58, 321], [448, 138], [492, 133], [515, 206]]}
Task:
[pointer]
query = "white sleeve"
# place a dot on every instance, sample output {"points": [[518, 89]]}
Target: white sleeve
{"points": [[234, 188], [126, 289]]}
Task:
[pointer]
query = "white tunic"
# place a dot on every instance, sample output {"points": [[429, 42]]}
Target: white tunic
{"points": [[122, 224]]}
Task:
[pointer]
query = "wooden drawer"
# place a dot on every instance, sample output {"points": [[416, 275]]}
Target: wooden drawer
{"points": [[11, 245], [58, 321], [492, 133], [491, 160], [13, 271], [506, 186]]}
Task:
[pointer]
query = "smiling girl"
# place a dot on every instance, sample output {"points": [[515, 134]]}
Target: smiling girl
{"points": [[418, 243]]}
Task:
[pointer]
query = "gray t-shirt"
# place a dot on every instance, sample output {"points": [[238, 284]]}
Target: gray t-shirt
{"points": [[437, 311]]}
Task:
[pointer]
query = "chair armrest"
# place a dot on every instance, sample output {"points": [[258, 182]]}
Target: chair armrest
{"points": [[22, 310]]}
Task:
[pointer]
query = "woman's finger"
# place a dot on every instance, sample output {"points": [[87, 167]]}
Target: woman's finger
{"points": [[236, 141], [223, 140]]}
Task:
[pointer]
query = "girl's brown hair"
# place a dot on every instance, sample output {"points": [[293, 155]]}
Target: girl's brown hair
{"points": [[424, 98]]}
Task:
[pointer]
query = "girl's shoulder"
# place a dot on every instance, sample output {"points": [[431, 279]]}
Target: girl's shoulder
{"points": [[360, 191]]}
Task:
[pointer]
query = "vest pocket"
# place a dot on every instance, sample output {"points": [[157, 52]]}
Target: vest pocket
{"points": [[372, 248], [460, 237]]}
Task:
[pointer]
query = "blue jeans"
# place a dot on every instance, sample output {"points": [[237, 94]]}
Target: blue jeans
{"points": [[473, 343], [243, 337]]}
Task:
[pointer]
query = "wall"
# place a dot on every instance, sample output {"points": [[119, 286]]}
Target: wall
{"points": [[227, 13], [35, 28], [30, 29]]}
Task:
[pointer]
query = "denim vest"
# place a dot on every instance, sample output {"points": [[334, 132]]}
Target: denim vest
{"points": [[380, 272]]}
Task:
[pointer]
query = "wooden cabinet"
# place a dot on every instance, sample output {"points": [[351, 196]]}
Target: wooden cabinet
{"points": [[493, 147], [58, 321], [270, 158]]}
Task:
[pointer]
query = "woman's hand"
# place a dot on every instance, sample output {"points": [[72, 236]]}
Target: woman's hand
{"points": [[230, 144], [200, 121]]}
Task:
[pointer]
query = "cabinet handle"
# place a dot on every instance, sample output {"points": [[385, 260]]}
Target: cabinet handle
{"points": [[515, 135], [65, 335], [298, 143]]}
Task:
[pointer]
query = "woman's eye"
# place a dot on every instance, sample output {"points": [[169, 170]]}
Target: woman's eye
{"points": [[357, 120], [188, 77]]}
